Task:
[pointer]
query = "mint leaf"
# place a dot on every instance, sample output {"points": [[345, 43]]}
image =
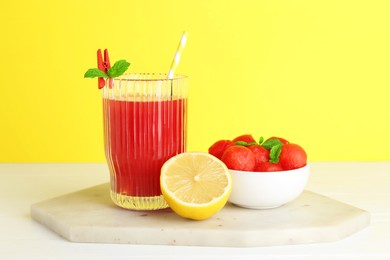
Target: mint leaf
{"points": [[243, 143], [275, 152], [118, 69], [261, 140], [271, 143], [95, 72]]}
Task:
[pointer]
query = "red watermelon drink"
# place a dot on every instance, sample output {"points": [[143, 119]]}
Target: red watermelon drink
{"points": [[145, 118]]}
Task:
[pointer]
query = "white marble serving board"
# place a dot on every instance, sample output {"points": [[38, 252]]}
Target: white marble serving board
{"points": [[90, 216]]}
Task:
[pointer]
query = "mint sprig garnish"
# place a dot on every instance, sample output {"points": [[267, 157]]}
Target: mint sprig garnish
{"points": [[271, 142], [261, 140], [118, 69], [243, 143], [273, 145], [95, 72], [275, 148], [274, 153]]}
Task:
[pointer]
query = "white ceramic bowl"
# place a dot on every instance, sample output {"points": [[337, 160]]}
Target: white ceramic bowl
{"points": [[265, 190]]}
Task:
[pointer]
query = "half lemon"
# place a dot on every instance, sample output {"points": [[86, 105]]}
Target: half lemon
{"points": [[195, 185]]}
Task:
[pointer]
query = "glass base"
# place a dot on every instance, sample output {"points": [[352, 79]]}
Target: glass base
{"points": [[139, 203]]}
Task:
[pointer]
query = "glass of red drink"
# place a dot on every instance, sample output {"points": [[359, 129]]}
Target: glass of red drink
{"points": [[145, 124]]}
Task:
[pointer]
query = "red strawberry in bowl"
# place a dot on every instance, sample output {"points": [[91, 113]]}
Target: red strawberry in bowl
{"points": [[268, 167], [244, 138], [261, 153], [239, 158], [292, 156], [219, 147]]}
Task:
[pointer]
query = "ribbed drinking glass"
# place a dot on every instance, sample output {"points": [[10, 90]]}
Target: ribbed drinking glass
{"points": [[145, 124]]}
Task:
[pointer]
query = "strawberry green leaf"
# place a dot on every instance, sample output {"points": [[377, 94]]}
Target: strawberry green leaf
{"points": [[274, 153], [118, 69], [95, 72]]}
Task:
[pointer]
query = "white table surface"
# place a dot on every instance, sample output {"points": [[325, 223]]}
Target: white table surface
{"points": [[363, 185]]}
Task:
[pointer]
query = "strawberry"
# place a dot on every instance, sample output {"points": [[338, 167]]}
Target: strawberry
{"points": [[268, 167], [284, 141], [219, 147], [292, 156], [261, 154], [239, 158], [244, 138]]}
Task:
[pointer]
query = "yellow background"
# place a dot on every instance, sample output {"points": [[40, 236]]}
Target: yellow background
{"points": [[314, 72]]}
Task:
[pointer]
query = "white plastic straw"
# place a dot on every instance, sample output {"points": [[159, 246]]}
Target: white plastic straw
{"points": [[176, 58]]}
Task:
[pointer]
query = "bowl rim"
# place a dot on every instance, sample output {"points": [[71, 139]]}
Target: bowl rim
{"points": [[307, 166]]}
